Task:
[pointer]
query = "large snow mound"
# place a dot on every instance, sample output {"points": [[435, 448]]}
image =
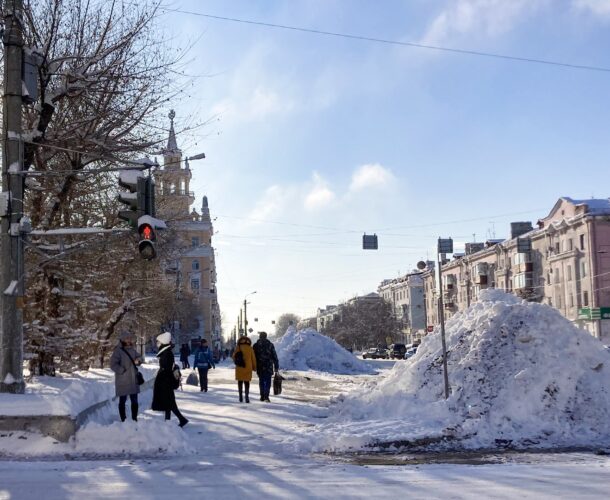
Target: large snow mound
{"points": [[310, 350], [520, 374]]}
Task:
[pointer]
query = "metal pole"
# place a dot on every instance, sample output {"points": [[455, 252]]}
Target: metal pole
{"points": [[245, 318], [11, 249], [441, 315]]}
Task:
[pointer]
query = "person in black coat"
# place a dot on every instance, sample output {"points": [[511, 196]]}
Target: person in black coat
{"points": [[266, 364], [164, 398], [185, 352]]}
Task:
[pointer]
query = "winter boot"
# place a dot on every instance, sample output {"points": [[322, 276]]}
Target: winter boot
{"points": [[183, 422], [122, 413], [134, 412]]}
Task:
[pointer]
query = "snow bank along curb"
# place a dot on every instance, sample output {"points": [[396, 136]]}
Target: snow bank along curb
{"points": [[521, 376], [309, 350], [61, 426]]}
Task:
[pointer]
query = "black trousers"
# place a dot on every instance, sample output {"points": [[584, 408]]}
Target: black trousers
{"points": [[175, 411], [240, 387], [134, 407], [203, 378]]}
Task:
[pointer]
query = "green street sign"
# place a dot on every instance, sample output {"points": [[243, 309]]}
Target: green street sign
{"points": [[594, 313]]}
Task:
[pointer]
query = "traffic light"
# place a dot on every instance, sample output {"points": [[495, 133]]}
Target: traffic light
{"points": [[134, 198], [146, 245]]}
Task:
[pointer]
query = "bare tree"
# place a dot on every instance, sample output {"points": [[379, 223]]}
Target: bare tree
{"points": [[284, 321], [104, 80]]}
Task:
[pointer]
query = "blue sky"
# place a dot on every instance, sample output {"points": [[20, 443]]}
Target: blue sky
{"points": [[313, 140]]}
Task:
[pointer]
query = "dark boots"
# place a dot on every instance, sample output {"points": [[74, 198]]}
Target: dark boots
{"points": [[122, 412], [134, 412]]}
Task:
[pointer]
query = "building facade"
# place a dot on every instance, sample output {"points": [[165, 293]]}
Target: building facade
{"points": [[564, 262], [193, 269], [406, 295]]}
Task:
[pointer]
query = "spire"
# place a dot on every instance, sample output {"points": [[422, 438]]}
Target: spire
{"points": [[172, 145]]}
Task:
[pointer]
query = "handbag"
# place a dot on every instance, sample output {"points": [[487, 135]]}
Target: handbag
{"points": [[239, 359], [177, 376], [139, 376], [277, 384]]}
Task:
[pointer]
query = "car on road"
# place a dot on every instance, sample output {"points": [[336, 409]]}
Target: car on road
{"points": [[410, 352], [375, 353], [397, 351]]}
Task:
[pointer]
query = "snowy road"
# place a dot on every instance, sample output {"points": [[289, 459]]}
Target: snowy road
{"points": [[247, 451]]}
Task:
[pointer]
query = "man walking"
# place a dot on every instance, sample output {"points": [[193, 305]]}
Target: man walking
{"points": [[203, 361], [266, 364]]}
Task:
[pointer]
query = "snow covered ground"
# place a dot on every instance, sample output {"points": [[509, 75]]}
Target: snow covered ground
{"points": [[233, 450]]}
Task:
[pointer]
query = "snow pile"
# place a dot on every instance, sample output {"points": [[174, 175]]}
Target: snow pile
{"points": [[520, 375], [65, 394], [309, 350]]}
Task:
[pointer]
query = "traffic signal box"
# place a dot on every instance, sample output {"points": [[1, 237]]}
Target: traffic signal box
{"points": [[140, 198]]}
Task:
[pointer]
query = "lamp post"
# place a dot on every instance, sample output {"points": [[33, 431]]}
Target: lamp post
{"points": [[246, 312]]}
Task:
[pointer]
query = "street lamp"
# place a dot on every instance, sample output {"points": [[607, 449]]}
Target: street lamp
{"points": [[245, 312]]}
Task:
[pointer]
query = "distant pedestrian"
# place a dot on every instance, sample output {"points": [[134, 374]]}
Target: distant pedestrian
{"points": [[166, 383], [124, 362], [203, 361], [185, 352], [266, 364], [245, 364]]}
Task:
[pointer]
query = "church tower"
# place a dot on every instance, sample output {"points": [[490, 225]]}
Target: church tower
{"points": [[173, 180]]}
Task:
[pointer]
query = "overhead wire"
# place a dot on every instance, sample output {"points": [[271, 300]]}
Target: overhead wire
{"points": [[386, 41]]}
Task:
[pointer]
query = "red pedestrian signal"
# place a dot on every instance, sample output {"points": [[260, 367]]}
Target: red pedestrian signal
{"points": [[147, 232]]}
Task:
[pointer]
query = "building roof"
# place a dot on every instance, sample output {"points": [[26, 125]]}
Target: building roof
{"points": [[172, 144], [595, 206]]}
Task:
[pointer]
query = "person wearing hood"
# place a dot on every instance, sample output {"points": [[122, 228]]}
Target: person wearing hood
{"points": [[124, 362], [266, 364], [245, 364], [164, 398], [203, 361]]}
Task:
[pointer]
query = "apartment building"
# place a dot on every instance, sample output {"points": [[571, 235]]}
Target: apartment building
{"points": [[406, 295], [563, 262]]}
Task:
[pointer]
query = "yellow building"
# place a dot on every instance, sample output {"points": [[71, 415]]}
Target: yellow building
{"points": [[194, 270]]}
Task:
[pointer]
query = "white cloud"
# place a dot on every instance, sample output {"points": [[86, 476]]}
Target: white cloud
{"points": [[598, 7], [320, 195], [273, 201], [488, 17], [370, 176]]}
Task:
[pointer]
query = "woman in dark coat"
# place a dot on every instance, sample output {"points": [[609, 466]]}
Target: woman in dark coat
{"points": [[164, 398]]}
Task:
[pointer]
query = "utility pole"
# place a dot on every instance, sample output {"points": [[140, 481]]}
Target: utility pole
{"points": [[11, 249], [444, 246], [245, 318]]}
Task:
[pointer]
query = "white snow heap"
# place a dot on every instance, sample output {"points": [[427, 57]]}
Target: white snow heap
{"points": [[520, 374], [310, 350]]}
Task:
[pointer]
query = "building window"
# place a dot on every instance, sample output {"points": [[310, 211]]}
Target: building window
{"points": [[195, 265], [569, 273], [570, 244], [585, 299], [582, 241], [583, 269], [571, 300], [559, 301], [557, 247], [556, 275], [195, 241], [195, 285]]}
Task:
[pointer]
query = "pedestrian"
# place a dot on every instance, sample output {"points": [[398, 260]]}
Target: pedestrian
{"points": [[124, 362], [266, 364], [203, 360], [245, 364], [185, 352], [166, 383]]}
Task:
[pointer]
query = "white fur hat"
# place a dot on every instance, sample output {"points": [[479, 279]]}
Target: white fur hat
{"points": [[164, 338]]}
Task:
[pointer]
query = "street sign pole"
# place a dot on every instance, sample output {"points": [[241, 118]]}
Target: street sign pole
{"points": [[444, 246]]}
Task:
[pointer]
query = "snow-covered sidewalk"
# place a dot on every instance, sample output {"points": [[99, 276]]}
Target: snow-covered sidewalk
{"points": [[233, 450]]}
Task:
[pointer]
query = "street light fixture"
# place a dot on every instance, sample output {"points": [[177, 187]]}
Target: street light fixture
{"points": [[246, 313]]}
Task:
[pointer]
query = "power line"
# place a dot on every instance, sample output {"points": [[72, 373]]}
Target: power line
{"points": [[393, 42]]}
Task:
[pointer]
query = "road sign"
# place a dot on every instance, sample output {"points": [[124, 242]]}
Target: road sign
{"points": [[369, 242], [594, 313], [445, 245]]}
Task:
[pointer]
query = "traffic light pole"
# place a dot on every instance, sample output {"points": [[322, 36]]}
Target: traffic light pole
{"points": [[11, 245]]}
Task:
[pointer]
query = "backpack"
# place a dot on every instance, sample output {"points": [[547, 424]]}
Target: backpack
{"points": [[202, 358], [239, 359]]}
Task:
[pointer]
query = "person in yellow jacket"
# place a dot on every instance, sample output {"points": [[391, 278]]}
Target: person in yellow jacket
{"points": [[245, 364]]}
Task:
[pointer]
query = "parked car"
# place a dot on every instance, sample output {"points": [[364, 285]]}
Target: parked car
{"points": [[375, 353], [410, 352], [397, 351]]}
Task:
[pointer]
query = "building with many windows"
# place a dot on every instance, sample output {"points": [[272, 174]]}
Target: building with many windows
{"points": [[406, 295], [194, 267], [564, 262]]}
